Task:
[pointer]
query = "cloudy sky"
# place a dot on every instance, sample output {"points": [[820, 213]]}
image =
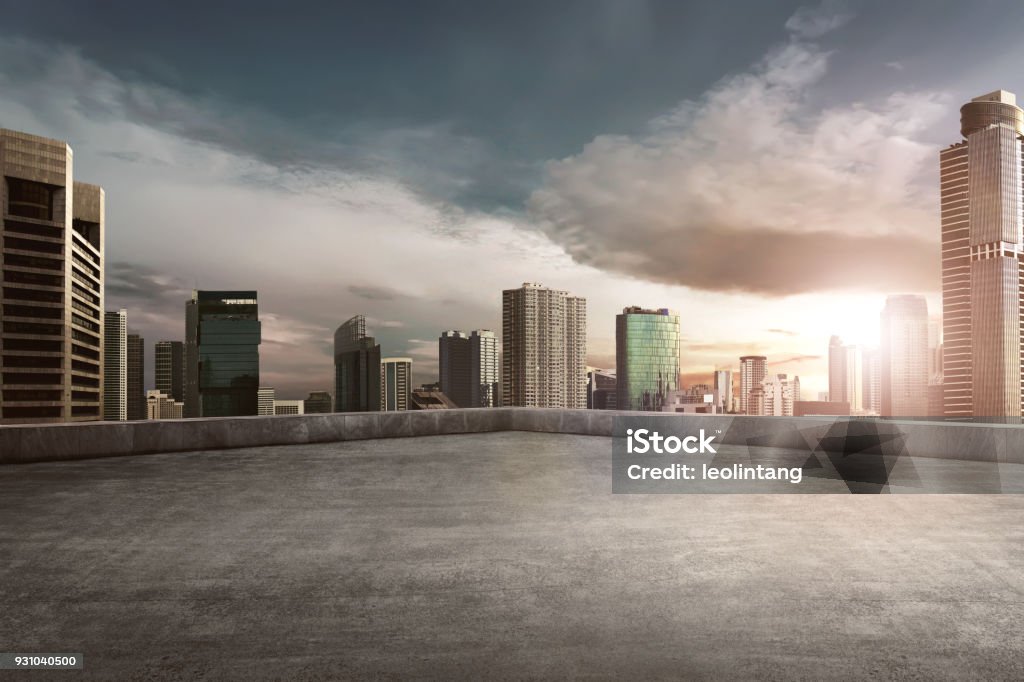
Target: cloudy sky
{"points": [[769, 169]]}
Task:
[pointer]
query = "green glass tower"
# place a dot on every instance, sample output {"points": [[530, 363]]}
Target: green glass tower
{"points": [[646, 358]]}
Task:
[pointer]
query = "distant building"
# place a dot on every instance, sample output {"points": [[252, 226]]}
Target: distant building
{"points": [[544, 348], [904, 363], [822, 397], [288, 407], [52, 231], [453, 367], [776, 396], [429, 398], [169, 368], [691, 401], [646, 358], [846, 374], [723, 390], [808, 408], [601, 389], [265, 401], [136, 388], [161, 406], [222, 354], [115, 366], [319, 402], [753, 369], [395, 384], [356, 368], [484, 370], [872, 393]]}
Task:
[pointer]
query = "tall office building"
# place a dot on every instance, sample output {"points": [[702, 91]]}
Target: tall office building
{"points": [[454, 367], [872, 381], [646, 358], [222, 354], [395, 384], [982, 199], [169, 368], [753, 369], [601, 389], [265, 401], [136, 389], [484, 373], [544, 348], [51, 325], [356, 368], [904, 357], [115, 365], [722, 389], [845, 374]]}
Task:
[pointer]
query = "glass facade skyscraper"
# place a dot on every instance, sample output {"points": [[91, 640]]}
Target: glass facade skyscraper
{"points": [[222, 350], [169, 368], [356, 368], [646, 358]]}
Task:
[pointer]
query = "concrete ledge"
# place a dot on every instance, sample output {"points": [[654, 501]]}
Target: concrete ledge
{"points": [[966, 441]]}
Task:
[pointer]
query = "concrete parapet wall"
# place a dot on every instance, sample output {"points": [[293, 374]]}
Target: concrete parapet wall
{"points": [[52, 442]]}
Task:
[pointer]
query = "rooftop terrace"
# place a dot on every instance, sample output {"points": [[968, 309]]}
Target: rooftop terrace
{"points": [[501, 554]]}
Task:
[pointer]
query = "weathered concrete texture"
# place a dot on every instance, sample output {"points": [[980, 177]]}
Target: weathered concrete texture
{"points": [[495, 555], [54, 442]]}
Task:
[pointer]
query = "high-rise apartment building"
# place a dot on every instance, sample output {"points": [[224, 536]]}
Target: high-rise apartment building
{"points": [[646, 358], [51, 323], [544, 348], [753, 369], [845, 374], [135, 375], [904, 357], [775, 397], [454, 367], [982, 200], [169, 368], [395, 384], [115, 365], [468, 367], [222, 354], [356, 368], [484, 372]]}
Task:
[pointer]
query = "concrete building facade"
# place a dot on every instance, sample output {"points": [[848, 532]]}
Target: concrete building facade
{"points": [[395, 384], [544, 348], [51, 324], [115, 365], [753, 369]]}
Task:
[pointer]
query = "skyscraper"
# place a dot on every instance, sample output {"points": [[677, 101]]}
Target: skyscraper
{"points": [[646, 358], [169, 368], [136, 389], [484, 374], [395, 384], [115, 365], [982, 199], [544, 348], [872, 392], [454, 367], [222, 354], [723, 390], [356, 368], [752, 372], [51, 330], [845, 375], [904, 355]]}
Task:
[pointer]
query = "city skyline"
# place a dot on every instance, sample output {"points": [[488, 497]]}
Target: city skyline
{"points": [[208, 152]]}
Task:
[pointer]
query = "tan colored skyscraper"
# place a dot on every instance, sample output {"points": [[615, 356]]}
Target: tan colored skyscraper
{"points": [[982, 202], [544, 344], [753, 369], [51, 327], [904, 355]]}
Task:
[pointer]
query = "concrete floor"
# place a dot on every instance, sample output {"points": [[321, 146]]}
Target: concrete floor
{"points": [[499, 555]]}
